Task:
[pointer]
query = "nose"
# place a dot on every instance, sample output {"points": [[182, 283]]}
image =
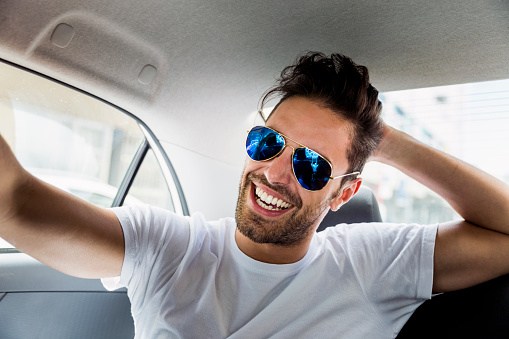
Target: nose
{"points": [[279, 170]]}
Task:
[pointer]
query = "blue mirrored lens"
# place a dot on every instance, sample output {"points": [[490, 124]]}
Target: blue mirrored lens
{"points": [[263, 143], [311, 170]]}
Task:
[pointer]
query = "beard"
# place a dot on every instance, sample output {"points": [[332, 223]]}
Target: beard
{"points": [[291, 229]]}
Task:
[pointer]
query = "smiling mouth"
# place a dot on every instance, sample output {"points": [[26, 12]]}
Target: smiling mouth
{"points": [[269, 202]]}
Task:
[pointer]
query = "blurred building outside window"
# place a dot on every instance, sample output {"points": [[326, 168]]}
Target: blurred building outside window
{"points": [[469, 121]]}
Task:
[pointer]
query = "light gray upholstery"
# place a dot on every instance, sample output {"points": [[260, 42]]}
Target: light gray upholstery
{"points": [[39, 302]]}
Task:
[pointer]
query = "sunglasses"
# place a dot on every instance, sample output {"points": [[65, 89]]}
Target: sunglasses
{"points": [[311, 170]]}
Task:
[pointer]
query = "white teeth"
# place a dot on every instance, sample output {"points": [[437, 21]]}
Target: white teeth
{"points": [[269, 202]]}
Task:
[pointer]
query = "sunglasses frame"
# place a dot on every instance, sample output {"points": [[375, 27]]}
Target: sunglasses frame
{"points": [[293, 153]]}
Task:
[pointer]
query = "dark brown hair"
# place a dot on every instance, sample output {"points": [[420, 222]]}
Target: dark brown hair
{"points": [[339, 84]]}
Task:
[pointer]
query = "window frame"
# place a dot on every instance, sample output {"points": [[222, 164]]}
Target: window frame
{"points": [[149, 142]]}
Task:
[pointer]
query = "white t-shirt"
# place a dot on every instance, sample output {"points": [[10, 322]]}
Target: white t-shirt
{"points": [[186, 278]]}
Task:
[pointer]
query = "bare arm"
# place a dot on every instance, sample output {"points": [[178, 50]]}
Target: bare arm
{"points": [[470, 251], [65, 232]]}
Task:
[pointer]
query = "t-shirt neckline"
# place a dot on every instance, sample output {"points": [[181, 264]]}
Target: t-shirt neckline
{"points": [[255, 265]]}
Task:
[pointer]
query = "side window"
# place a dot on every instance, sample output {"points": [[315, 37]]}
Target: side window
{"points": [[78, 143], [149, 185], [469, 121]]}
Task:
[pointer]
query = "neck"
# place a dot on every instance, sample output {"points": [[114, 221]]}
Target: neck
{"points": [[272, 253]]}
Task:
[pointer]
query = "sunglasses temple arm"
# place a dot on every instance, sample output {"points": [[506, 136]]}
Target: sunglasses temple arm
{"points": [[344, 175]]}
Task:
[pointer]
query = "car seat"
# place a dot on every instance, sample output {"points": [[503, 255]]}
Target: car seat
{"points": [[481, 311], [363, 207]]}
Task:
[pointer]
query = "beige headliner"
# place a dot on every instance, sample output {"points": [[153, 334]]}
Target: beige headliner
{"points": [[215, 58]]}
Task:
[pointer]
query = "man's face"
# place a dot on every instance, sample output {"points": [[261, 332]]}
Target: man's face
{"points": [[300, 211]]}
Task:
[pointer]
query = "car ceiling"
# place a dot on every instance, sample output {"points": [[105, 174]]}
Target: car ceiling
{"points": [[214, 59]]}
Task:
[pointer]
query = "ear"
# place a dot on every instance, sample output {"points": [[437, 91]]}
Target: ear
{"points": [[350, 189]]}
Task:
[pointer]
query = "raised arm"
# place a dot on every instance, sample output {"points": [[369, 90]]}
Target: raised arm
{"points": [[470, 251], [64, 232]]}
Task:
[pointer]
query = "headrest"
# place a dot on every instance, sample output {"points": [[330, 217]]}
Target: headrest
{"points": [[363, 207]]}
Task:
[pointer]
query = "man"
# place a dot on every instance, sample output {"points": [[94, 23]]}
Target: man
{"points": [[268, 273]]}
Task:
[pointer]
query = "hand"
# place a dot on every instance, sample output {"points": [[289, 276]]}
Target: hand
{"points": [[384, 151]]}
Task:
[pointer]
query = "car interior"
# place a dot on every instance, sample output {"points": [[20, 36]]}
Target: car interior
{"points": [[172, 87]]}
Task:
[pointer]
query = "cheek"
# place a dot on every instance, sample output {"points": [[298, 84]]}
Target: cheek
{"points": [[251, 166], [319, 199]]}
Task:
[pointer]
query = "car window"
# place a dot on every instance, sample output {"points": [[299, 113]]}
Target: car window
{"points": [[457, 119], [76, 142], [149, 185]]}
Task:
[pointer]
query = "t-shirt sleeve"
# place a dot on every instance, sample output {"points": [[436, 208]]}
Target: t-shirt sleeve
{"points": [[155, 243], [394, 265]]}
